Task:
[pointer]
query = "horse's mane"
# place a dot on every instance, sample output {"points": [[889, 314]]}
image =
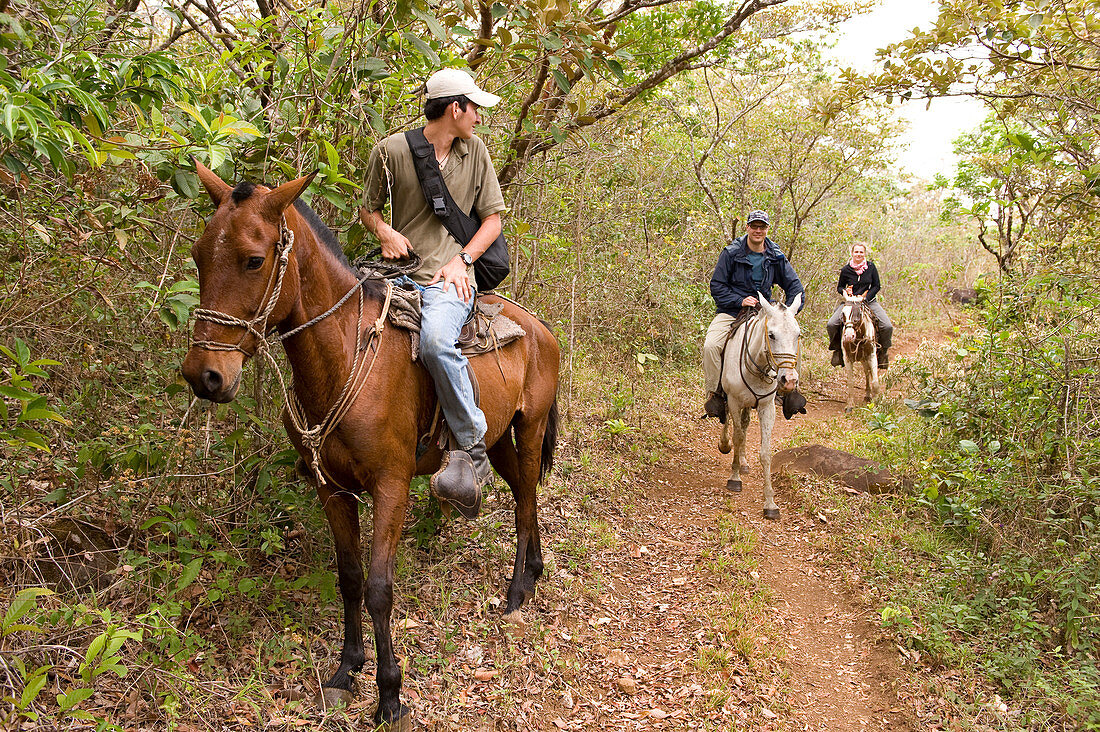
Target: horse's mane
{"points": [[373, 288], [325, 235]]}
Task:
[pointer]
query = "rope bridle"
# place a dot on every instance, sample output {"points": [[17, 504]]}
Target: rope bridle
{"points": [[313, 438], [773, 360], [859, 335], [272, 291]]}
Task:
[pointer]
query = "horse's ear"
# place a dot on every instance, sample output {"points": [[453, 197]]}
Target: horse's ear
{"points": [[279, 199], [797, 302], [215, 186], [767, 306]]}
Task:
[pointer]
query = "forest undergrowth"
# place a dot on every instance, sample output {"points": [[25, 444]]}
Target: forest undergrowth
{"points": [[985, 569]]}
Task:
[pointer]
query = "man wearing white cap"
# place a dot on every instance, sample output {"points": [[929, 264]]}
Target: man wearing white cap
{"points": [[446, 277]]}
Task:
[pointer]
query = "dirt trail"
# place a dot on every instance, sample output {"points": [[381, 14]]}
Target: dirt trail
{"points": [[835, 671], [673, 605], [840, 677]]}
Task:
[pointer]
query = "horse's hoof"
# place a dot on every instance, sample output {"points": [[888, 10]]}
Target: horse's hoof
{"points": [[847, 410], [330, 698], [733, 485], [772, 514], [515, 619], [402, 723], [724, 449]]}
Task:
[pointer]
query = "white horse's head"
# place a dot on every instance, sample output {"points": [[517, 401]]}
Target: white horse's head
{"points": [[782, 340]]}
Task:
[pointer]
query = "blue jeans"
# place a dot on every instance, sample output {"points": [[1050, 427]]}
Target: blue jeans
{"points": [[442, 314]]}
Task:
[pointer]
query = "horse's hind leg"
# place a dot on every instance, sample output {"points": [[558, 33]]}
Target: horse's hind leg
{"points": [[520, 466]]}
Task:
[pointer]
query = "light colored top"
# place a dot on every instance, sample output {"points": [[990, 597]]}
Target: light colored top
{"points": [[468, 175]]}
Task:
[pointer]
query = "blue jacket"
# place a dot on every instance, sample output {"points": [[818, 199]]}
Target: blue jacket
{"points": [[732, 280]]}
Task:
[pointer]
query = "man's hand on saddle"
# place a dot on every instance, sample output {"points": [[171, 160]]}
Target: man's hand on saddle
{"points": [[454, 273], [394, 244], [750, 302]]}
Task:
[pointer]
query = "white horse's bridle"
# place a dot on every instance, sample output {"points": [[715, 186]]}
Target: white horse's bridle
{"points": [[773, 360]]}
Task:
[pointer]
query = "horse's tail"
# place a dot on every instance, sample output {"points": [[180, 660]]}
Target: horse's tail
{"points": [[549, 440], [553, 418]]}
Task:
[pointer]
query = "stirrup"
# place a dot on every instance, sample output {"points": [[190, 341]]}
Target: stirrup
{"points": [[456, 484]]}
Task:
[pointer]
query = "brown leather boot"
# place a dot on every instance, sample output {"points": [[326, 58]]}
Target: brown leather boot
{"points": [[883, 361], [460, 479], [716, 406], [837, 359]]}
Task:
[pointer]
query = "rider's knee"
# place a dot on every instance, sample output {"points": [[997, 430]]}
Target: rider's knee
{"points": [[435, 343]]}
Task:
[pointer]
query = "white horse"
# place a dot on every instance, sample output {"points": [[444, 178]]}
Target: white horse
{"points": [[860, 345], [760, 359]]}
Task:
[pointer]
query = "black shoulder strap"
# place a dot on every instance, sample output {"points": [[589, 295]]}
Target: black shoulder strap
{"points": [[435, 190]]}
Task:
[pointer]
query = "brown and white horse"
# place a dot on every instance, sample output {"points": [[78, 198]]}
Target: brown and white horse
{"points": [[760, 359], [359, 402], [860, 345]]}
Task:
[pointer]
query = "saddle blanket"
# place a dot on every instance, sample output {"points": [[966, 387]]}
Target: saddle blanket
{"points": [[485, 330]]}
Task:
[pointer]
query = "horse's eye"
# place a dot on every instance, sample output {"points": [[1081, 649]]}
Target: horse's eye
{"points": [[255, 262], [772, 336]]}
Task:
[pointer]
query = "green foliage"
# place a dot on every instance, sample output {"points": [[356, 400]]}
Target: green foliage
{"points": [[19, 425], [1005, 440], [102, 656]]}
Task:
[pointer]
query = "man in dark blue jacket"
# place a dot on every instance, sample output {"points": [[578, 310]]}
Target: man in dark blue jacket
{"points": [[747, 266]]}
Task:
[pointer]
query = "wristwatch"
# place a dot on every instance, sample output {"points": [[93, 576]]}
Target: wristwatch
{"points": [[466, 258]]}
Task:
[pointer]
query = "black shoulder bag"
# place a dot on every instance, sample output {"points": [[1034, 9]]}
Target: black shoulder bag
{"points": [[493, 265]]}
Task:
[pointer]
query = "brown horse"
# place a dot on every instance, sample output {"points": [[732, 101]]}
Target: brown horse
{"points": [[860, 344], [266, 263]]}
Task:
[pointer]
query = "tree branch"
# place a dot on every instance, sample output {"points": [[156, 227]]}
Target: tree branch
{"points": [[523, 147]]}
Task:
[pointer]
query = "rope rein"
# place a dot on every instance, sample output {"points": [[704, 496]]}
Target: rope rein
{"points": [[313, 438]]}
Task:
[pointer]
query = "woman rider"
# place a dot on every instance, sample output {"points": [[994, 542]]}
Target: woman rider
{"points": [[860, 277]]}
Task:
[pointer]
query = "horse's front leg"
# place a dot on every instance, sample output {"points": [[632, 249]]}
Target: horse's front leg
{"points": [[766, 411], [850, 368], [737, 421], [870, 367], [391, 499], [342, 510]]}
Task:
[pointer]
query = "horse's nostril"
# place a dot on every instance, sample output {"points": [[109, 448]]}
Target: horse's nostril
{"points": [[212, 380]]}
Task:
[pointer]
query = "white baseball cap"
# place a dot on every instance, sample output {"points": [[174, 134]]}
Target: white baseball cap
{"points": [[456, 82]]}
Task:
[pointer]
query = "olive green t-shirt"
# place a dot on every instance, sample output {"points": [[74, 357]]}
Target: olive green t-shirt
{"points": [[468, 175]]}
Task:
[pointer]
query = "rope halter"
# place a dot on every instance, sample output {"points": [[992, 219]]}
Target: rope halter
{"points": [[367, 345], [773, 360], [850, 310], [257, 326]]}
